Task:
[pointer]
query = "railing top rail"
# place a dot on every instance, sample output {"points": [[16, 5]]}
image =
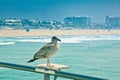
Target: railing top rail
{"points": [[57, 73]]}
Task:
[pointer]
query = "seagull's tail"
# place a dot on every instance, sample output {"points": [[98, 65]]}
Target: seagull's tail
{"points": [[31, 60]]}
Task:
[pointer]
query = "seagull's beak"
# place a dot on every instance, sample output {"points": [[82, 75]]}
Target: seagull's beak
{"points": [[58, 39]]}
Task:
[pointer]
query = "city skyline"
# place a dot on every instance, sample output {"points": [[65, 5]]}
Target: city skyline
{"points": [[59, 9], [68, 23]]}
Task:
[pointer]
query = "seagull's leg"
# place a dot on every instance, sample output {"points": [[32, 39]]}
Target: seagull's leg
{"points": [[48, 62]]}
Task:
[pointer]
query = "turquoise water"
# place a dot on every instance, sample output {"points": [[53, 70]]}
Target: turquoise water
{"points": [[93, 55]]}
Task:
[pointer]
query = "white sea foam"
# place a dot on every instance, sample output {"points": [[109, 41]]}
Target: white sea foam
{"points": [[33, 40], [70, 40], [7, 43], [101, 37], [64, 39], [78, 39]]}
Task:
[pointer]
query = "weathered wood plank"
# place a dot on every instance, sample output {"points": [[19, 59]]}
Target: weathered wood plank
{"points": [[52, 66]]}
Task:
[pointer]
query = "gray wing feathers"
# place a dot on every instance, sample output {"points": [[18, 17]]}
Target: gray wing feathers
{"points": [[44, 51]]}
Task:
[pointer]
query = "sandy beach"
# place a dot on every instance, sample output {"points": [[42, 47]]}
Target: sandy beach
{"points": [[56, 32]]}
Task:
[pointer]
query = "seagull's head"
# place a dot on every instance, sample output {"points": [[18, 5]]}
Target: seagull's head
{"points": [[55, 39]]}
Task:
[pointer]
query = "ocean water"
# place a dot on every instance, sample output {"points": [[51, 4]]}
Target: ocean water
{"points": [[92, 55]]}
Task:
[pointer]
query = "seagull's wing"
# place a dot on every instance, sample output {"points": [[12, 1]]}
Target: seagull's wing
{"points": [[44, 50]]}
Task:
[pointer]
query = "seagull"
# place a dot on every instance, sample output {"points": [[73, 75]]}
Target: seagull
{"points": [[47, 50]]}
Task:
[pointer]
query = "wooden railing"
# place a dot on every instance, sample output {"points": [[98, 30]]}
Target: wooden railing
{"points": [[48, 72]]}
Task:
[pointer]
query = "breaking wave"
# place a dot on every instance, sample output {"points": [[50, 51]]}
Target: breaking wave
{"points": [[64, 39], [7, 43]]}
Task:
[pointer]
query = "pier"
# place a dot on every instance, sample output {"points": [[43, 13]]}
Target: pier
{"points": [[47, 72]]}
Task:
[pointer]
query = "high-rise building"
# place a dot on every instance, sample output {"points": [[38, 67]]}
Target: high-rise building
{"points": [[113, 22], [78, 21]]}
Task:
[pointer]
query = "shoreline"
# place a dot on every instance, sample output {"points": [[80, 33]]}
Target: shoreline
{"points": [[44, 32]]}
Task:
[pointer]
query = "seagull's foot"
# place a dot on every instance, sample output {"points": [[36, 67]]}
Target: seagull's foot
{"points": [[51, 66]]}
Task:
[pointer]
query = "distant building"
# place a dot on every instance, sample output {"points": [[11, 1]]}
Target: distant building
{"points": [[113, 22], [12, 22], [78, 21]]}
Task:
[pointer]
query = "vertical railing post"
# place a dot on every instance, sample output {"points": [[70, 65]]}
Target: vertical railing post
{"points": [[55, 77], [46, 76]]}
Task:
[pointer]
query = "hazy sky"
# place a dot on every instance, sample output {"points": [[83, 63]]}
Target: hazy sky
{"points": [[59, 9]]}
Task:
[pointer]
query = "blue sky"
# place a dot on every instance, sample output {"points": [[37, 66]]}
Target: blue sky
{"points": [[59, 9]]}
